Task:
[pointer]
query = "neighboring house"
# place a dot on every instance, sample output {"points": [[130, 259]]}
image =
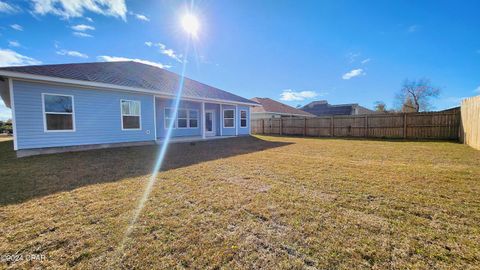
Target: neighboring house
{"points": [[273, 109], [322, 108], [100, 104]]}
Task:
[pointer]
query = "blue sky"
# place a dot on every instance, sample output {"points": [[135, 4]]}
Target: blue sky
{"points": [[291, 51]]}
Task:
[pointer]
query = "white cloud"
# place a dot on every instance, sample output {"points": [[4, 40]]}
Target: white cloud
{"points": [[164, 50], [13, 43], [290, 95], [366, 61], [89, 19], [107, 58], [77, 8], [477, 90], [353, 73], [140, 17], [412, 28], [12, 58], [5, 113], [352, 57], [81, 34], [72, 53], [8, 8], [17, 27], [82, 27]]}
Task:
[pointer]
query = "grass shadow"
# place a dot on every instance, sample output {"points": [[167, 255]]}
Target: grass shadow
{"points": [[22, 179], [380, 139]]}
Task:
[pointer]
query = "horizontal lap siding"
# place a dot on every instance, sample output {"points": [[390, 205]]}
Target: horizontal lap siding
{"points": [[97, 116], [177, 132]]}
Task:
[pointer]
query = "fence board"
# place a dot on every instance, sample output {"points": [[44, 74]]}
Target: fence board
{"points": [[434, 125], [470, 122]]}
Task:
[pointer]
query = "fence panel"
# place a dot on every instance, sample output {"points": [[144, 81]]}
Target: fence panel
{"points": [[433, 125], [470, 126]]}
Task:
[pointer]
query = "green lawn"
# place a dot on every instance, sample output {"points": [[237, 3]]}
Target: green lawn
{"points": [[243, 203]]}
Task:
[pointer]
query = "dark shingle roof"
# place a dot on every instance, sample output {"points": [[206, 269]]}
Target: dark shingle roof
{"points": [[270, 105], [322, 108], [129, 74]]}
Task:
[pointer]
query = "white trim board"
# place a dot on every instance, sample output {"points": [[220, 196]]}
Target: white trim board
{"points": [[139, 115], [223, 118], [14, 121], [74, 127]]}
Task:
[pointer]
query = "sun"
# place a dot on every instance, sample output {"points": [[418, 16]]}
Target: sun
{"points": [[190, 24]]}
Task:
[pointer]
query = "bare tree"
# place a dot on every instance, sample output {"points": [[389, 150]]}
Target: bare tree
{"points": [[417, 95], [380, 106]]}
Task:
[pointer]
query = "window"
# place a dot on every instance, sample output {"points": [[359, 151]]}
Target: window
{"points": [[169, 118], [58, 112], [193, 118], [182, 118], [130, 115], [243, 118], [228, 118], [185, 118]]}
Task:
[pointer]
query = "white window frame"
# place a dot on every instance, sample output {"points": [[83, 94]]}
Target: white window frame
{"points": [[177, 119], [246, 118], [223, 118], [165, 116], [196, 118], [45, 114], [139, 114], [175, 125]]}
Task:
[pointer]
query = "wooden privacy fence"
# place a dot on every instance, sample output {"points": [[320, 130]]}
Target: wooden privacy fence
{"points": [[432, 125], [471, 122]]}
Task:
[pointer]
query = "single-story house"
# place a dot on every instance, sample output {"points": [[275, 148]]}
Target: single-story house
{"points": [[273, 109], [322, 108], [94, 105]]}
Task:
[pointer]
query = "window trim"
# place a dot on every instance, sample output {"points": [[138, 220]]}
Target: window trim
{"points": [[175, 126], [246, 118], [223, 118], [139, 115], [45, 129], [196, 118]]}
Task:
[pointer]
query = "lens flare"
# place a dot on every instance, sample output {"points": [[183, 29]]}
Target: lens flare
{"points": [[159, 160]]}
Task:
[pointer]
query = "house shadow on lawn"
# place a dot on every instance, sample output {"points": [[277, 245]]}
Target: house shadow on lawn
{"points": [[22, 179]]}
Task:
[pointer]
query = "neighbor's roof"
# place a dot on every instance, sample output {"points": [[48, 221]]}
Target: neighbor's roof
{"points": [[272, 106], [129, 74], [321, 108]]}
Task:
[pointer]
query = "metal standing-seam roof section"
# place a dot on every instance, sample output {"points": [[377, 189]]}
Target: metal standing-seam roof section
{"points": [[130, 74], [272, 106]]}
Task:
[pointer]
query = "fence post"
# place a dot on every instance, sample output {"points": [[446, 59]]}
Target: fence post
{"points": [[281, 126], [366, 126], [404, 125], [332, 127], [305, 127], [263, 126]]}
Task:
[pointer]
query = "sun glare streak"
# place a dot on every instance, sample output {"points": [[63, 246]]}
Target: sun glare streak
{"points": [[159, 160]]}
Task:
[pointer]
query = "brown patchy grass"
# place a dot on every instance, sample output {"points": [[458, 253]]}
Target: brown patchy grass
{"points": [[259, 202]]}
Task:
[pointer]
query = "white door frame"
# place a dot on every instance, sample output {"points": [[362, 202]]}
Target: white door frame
{"points": [[213, 132]]}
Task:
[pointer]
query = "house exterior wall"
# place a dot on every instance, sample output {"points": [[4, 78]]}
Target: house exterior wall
{"points": [[236, 130], [220, 130], [97, 116], [162, 104]]}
